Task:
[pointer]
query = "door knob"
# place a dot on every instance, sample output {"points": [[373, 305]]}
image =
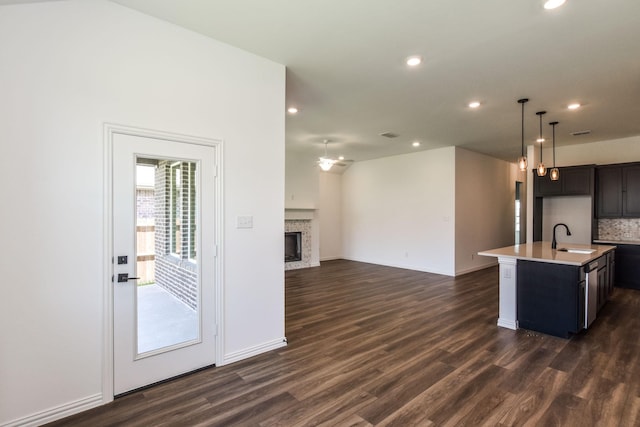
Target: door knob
{"points": [[123, 277]]}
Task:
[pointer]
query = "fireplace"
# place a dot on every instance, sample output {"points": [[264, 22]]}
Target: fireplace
{"points": [[297, 243], [292, 246]]}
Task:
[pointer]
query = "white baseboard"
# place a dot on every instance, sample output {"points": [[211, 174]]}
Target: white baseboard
{"points": [[508, 323], [403, 266], [476, 268], [57, 412], [253, 351]]}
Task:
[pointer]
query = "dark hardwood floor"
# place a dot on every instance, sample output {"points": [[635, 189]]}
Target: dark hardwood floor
{"points": [[373, 345]]}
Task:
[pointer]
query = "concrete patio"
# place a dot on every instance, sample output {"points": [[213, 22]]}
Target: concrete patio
{"points": [[163, 320]]}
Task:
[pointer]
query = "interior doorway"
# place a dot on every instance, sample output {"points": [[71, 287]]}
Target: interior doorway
{"points": [[518, 211]]}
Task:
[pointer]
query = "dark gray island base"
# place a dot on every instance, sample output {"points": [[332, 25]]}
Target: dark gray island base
{"points": [[551, 298], [559, 299]]}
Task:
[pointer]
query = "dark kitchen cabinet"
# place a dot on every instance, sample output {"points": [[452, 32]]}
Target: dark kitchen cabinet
{"points": [[544, 187], [603, 285], [550, 298], [631, 191], [609, 191], [574, 181], [627, 270], [611, 267], [618, 191]]}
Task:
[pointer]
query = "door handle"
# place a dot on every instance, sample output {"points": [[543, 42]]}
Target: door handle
{"points": [[124, 277]]}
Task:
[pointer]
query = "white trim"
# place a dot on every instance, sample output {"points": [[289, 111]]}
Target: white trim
{"points": [[299, 214], [112, 128], [107, 302], [219, 252], [253, 351], [493, 263], [405, 267], [217, 144], [56, 413], [508, 301], [330, 258], [507, 323]]}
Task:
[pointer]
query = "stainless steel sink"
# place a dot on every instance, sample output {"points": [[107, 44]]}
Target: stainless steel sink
{"points": [[577, 250]]}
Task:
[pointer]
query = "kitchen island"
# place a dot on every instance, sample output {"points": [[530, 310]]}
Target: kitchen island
{"points": [[627, 273], [547, 289]]}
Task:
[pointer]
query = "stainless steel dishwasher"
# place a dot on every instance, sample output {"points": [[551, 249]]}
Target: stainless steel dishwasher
{"points": [[591, 294]]}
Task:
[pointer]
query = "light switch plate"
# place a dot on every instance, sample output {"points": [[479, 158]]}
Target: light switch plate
{"points": [[245, 221]]}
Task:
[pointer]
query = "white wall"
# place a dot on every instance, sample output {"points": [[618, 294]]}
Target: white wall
{"points": [[485, 208], [302, 183], [67, 68], [574, 211], [599, 153], [399, 211], [330, 215]]}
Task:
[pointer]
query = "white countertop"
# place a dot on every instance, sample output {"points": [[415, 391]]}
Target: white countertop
{"points": [[542, 252], [618, 242]]}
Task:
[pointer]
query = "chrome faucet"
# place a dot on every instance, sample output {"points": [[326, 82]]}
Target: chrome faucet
{"points": [[554, 243]]}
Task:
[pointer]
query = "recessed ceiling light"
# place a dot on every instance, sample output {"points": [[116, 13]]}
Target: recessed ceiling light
{"points": [[416, 144], [341, 158], [573, 106], [292, 110], [414, 60], [474, 104], [552, 4]]}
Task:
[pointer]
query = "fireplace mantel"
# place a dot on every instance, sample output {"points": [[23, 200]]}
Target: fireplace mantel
{"points": [[298, 213]]}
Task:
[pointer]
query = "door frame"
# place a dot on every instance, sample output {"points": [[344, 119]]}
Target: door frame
{"points": [[109, 131]]}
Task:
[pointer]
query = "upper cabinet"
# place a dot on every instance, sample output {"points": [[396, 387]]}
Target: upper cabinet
{"points": [[574, 181], [631, 191], [618, 191], [609, 191]]}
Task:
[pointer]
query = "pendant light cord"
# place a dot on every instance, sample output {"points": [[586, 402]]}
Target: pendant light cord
{"points": [[522, 101], [540, 114], [522, 133], [554, 144], [553, 129]]}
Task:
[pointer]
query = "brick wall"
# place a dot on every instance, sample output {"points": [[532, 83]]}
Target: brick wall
{"points": [[176, 272]]}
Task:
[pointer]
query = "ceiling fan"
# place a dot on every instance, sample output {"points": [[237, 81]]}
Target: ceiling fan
{"points": [[325, 162]]}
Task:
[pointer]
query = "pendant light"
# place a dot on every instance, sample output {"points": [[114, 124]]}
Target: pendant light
{"points": [[522, 161], [542, 170], [555, 173]]}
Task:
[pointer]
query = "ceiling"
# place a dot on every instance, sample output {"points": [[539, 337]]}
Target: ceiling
{"points": [[346, 70]]}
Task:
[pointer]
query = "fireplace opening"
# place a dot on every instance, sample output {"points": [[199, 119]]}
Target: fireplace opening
{"points": [[292, 246]]}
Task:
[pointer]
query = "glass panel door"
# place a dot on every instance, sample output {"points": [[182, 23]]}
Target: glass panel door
{"points": [[163, 197], [168, 287]]}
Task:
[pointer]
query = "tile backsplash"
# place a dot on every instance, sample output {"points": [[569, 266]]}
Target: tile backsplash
{"points": [[619, 229]]}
